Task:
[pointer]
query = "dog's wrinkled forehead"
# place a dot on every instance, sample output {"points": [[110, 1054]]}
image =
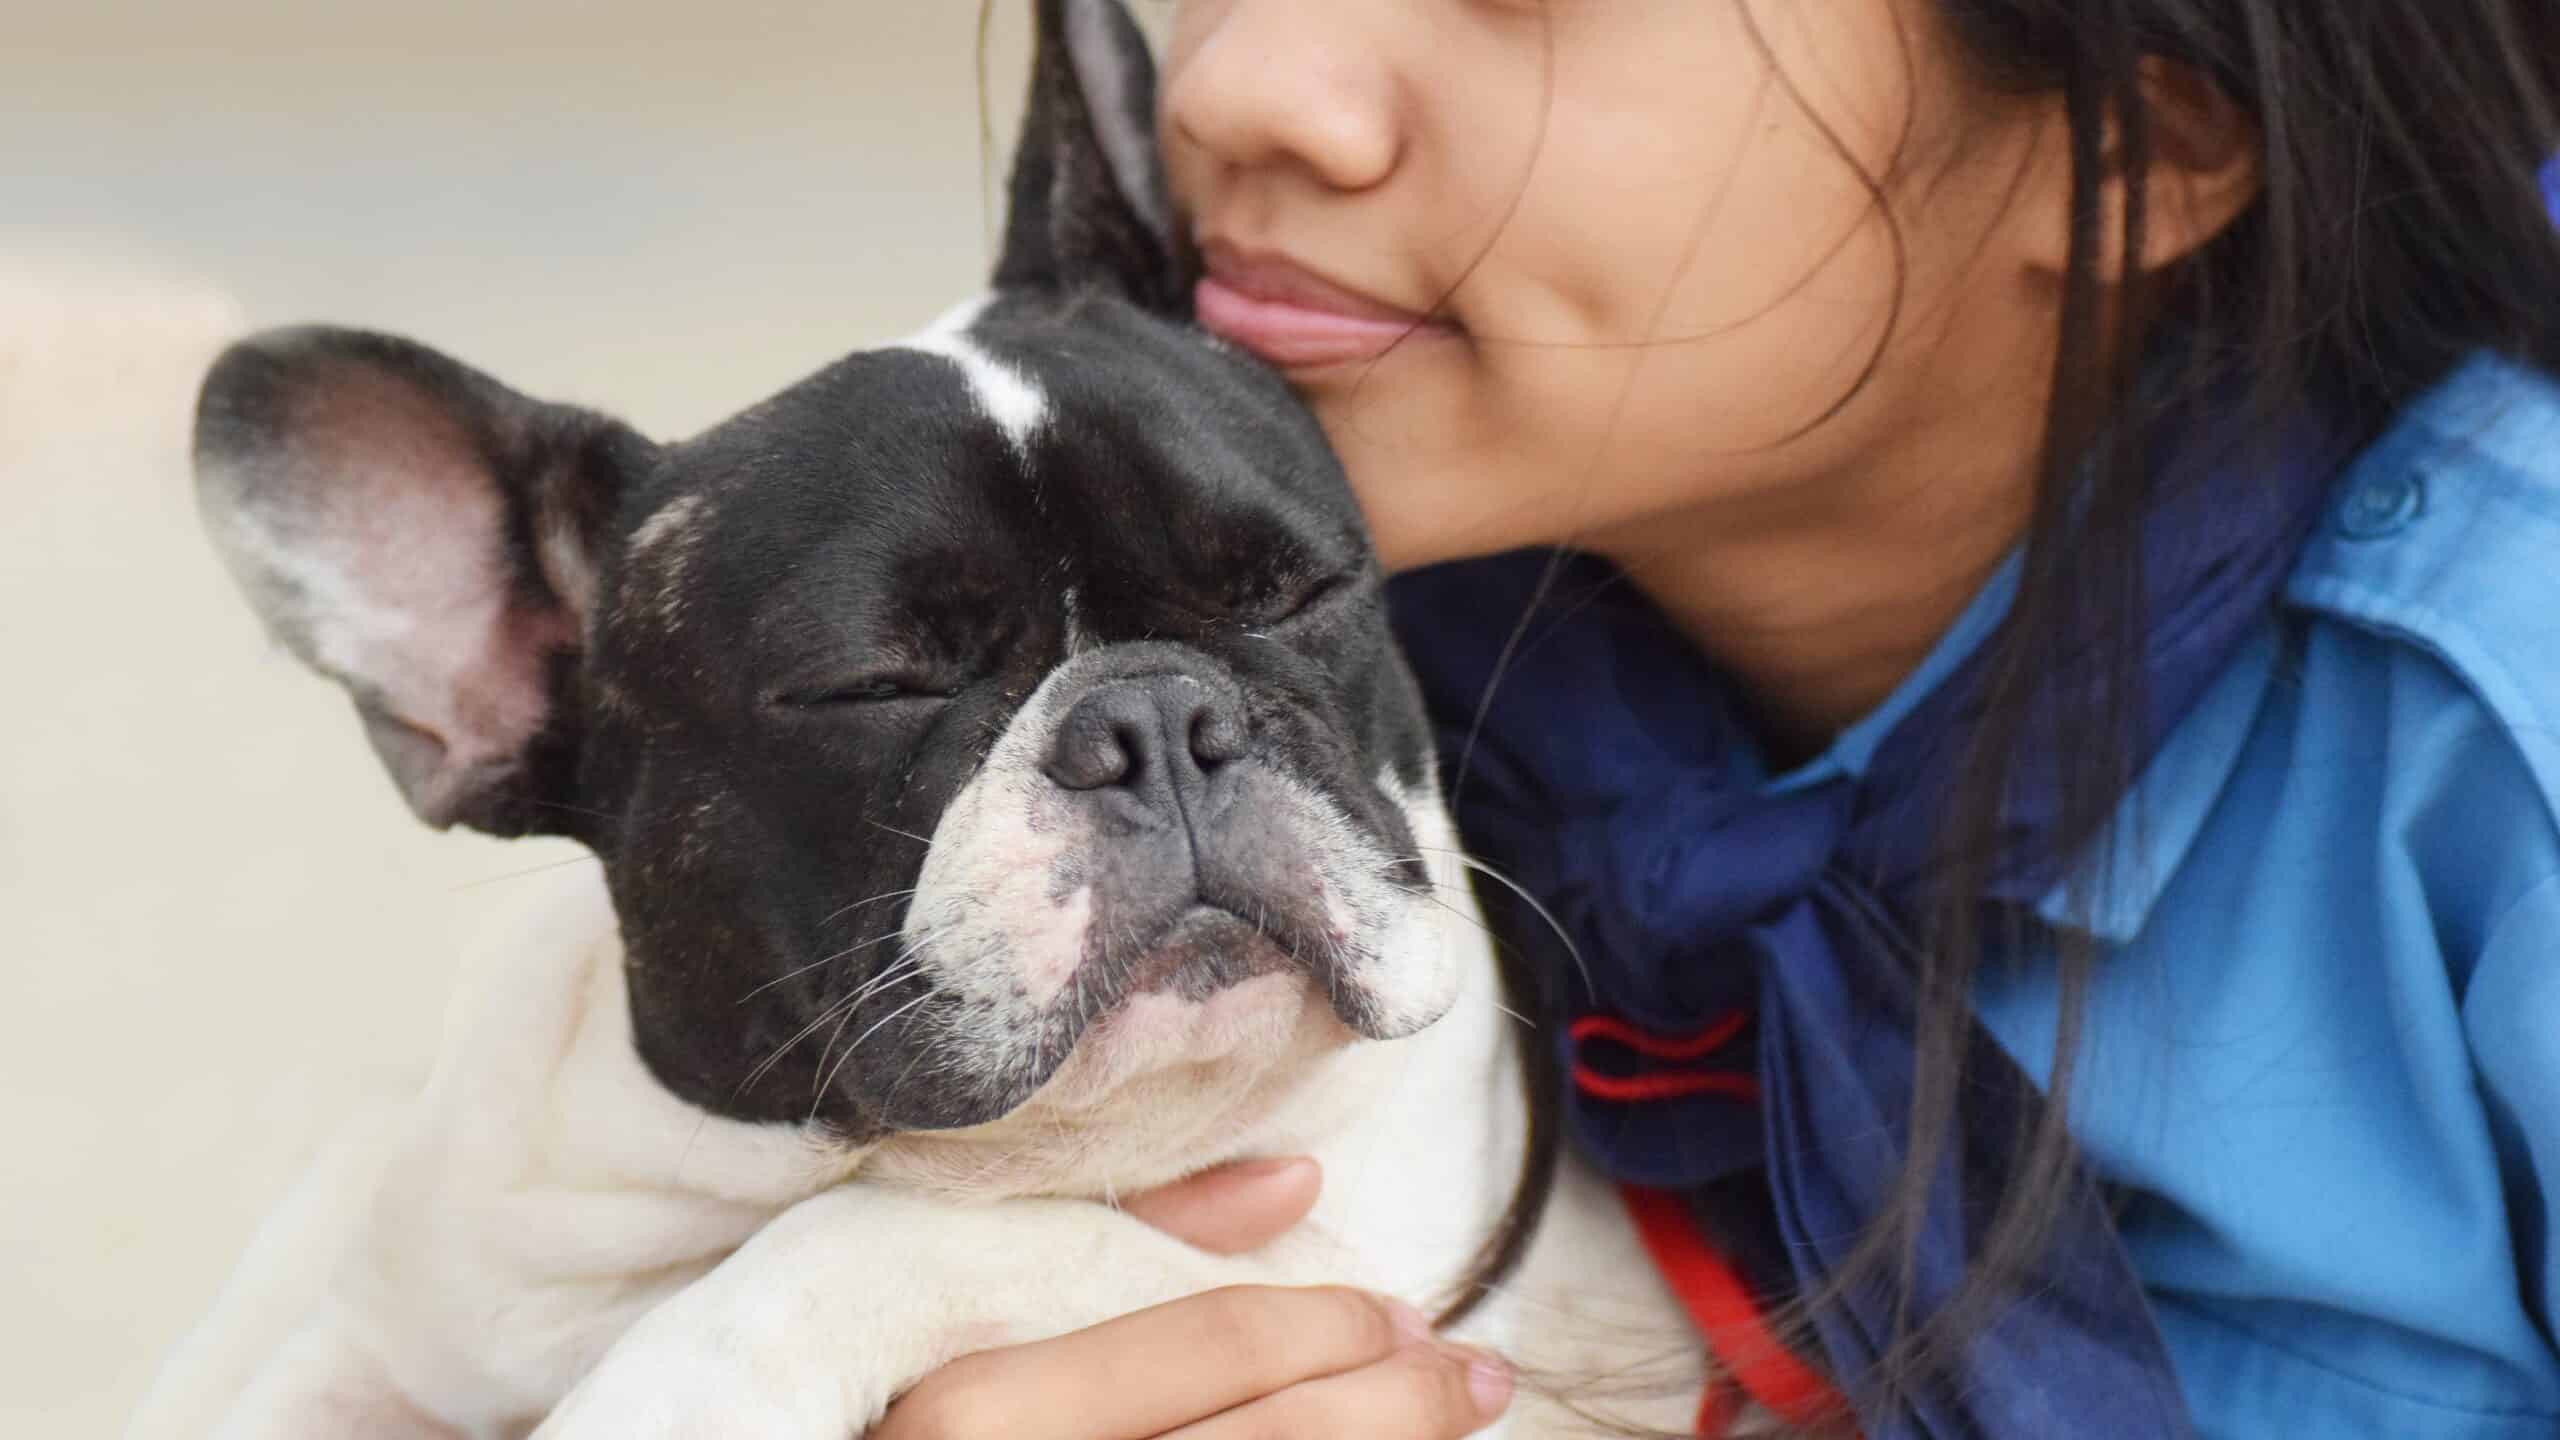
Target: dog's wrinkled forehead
{"points": [[908, 498]]}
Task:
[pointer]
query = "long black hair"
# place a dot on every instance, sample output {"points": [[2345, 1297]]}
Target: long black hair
{"points": [[2400, 225]]}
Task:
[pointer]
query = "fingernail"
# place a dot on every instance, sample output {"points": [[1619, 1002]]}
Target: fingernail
{"points": [[1489, 1382], [1411, 1324]]}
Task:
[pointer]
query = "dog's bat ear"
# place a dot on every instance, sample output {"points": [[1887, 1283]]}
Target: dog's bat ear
{"points": [[430, 540], [1087, 206]]}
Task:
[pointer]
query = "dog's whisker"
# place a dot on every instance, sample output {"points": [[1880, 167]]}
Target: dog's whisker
{"points": [[829, 1078], [573, 809], [922, 939], [908, 965], [812, 965], [1536, 906], [904, 958], [1462, 913], [692, 1137], [589, 858], [803, 1033], [818, 1087], [890, 1102], [1466, 913], [858, 904]]}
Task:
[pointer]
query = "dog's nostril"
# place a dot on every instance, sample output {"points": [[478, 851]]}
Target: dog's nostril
{"points": [[1089, 756], [1159, 738], [1131, 746]]}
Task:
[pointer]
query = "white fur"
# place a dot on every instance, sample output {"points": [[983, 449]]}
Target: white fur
{"points": [[492, 1240], [547, 1222], [999, 921], [1005, 396]]}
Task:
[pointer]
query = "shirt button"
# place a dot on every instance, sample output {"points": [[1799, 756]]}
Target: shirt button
{"points": [[2382, 506]]}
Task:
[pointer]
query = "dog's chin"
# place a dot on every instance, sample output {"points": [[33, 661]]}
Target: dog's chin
{"points": [[1202, 954], [1213, 993], [1165, 1035], [1210, 1015], [1211, 999], [1164, 1078]]}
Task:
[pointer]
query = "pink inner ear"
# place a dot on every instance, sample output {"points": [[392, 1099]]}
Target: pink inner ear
{"points": [[383, 535]]}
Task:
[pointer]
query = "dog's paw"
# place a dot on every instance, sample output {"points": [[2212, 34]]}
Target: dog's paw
{"points": [[673, 1383]]}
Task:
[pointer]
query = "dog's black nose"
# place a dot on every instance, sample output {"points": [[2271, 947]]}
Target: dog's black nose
{"points": [[1156, 744]]}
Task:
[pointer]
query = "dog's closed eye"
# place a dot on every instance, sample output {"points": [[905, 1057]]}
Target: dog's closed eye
{"points": [[1316, 596], [864, 690]]}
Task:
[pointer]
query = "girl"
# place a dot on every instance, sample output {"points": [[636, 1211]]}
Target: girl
{"points": [[1991, 565]]}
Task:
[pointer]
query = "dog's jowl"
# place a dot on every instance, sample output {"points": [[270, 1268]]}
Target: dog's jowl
{"points": [[1007, 796]]}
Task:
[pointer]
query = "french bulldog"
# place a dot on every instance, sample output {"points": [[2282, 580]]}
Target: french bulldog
{"points": [[1008, 797]]}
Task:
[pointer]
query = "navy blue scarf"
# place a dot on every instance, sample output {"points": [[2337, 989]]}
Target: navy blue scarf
{"points": [[1614, 779]]}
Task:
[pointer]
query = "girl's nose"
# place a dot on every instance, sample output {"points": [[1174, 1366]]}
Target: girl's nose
{"points": [[1265, 83]]}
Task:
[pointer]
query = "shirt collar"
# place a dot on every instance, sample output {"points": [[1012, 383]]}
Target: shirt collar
{"points": [[2111, 896], [2159, 818]]}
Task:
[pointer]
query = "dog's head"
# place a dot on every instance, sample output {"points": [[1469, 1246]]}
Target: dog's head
{"points": [[1017, 694]]}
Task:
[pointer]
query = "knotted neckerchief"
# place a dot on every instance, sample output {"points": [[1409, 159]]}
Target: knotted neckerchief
{"points": [[1612, 776]]}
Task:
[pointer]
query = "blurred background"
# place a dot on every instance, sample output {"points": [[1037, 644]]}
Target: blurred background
{"points": [[219, 930]]}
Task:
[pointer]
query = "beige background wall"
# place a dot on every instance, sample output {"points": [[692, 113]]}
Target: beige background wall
{"points": [[218, 929]]}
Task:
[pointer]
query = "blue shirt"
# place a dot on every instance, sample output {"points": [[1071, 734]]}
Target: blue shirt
{"points": [[2321, 1062]]}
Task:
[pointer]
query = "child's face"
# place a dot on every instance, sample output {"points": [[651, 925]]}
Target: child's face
{"points": [[1654, 274]]}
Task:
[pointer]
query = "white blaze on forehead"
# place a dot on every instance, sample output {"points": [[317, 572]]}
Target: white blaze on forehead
{"points": [[1004, 395]]}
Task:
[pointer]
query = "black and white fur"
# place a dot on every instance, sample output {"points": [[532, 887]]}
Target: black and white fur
{"points": [[1007, 796]]}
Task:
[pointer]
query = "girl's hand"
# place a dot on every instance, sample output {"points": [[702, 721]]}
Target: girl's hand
{"points": [[1249, 1361]]}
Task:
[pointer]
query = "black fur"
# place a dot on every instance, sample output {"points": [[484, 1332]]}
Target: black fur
{"points": [[754, 721], [1193, 511], [770, 656], [1073, 218]]}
